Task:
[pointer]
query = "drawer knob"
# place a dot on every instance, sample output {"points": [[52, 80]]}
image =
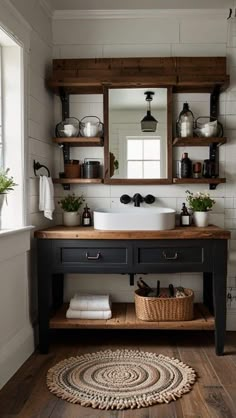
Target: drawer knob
{"points": [[91, 257], [166, 257]]}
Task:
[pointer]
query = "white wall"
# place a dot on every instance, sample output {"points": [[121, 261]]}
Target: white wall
{"points": [[163, 33], [30, 24]]}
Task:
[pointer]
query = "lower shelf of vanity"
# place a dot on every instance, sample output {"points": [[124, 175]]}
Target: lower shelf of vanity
{"points": [[123, 316]]}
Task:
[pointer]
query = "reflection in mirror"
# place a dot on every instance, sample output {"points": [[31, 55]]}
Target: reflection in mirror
{"points": [[135, 154]]}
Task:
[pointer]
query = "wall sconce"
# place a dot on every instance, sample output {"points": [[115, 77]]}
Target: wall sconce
{"points": [[149, 123]]}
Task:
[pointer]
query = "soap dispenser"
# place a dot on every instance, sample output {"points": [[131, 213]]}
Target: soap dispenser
{"points": [[185, 219], [86, 217]]}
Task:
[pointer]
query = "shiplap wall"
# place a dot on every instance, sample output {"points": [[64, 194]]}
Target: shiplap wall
{"points": [[166, 33], [31, 25]]}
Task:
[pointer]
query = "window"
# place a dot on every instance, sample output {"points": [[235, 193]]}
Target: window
{"points": [[11, 131], [1, 150], [143, 157]]}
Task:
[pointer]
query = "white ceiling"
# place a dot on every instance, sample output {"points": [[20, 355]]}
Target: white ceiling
{"points": [[134, 98], [139, 4]]}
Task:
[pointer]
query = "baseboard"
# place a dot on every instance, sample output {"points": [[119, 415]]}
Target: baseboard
{"points": [[15, 353]]}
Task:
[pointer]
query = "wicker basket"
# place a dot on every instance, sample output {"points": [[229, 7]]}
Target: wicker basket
{"points": [[164, 309]]}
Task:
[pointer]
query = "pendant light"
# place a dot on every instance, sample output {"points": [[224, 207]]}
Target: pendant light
{"points": [[149, 123]]}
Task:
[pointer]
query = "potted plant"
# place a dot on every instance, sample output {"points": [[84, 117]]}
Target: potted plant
{"points": [[70, 205], [6, 184], [200, 203], [114, 164]]}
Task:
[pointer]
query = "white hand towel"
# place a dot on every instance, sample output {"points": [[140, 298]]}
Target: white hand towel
{"points": [[46, 196], [73, 314], [83, 302]]}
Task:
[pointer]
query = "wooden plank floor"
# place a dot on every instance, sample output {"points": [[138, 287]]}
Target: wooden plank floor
{"points": [[212, 396]]}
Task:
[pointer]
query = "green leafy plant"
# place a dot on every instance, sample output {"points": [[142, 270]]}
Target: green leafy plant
{"points": [[71, 203], [6, 182], [199, 202], [116, 164]]}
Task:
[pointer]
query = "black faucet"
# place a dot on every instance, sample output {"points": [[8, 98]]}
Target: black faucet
{"points": [[137, 199]]}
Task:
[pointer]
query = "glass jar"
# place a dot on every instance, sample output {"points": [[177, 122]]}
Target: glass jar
{"points": [[210, 169], [185, 122]]}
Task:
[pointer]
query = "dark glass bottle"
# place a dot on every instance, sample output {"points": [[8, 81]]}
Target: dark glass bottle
{"points": [[186, 166], [185, 218], [185, 122], [86, 217]]}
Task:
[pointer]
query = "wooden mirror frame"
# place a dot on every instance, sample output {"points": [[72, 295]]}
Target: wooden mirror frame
{"points": [[107, 178]]}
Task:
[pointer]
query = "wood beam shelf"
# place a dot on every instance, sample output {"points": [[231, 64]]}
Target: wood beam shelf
{"points": [[80, 141], [213, 181], [77, 181], [198, 142], [184, 74], [124, 317]]}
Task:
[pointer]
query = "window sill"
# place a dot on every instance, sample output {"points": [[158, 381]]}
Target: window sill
{"points": [[14, 231]]}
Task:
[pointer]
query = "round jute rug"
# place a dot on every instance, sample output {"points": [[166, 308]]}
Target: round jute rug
{"points": [[120, 379]]}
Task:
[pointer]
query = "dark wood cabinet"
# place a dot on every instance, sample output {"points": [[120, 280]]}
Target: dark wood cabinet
{"points": [[205, 252]]}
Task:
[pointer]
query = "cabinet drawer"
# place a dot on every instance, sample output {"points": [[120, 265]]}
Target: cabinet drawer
{"points": [[172, 256], [93, 256]]}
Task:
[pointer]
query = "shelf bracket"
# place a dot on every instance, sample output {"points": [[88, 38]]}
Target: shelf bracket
{"points": [[214, 110], [213, 156], [214, 102], [65, 110]]}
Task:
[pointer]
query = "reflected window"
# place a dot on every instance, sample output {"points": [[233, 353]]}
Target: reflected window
{"points": [[143, 157]]}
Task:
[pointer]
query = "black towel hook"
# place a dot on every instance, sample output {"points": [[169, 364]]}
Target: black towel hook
{"points": [[37, 166]]}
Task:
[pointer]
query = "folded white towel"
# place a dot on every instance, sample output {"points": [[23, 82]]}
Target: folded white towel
{"points": [[82, 302], [73, 314], [46, 196]]}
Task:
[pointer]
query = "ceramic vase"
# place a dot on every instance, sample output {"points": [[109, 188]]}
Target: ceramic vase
{"points": [[201, 219], [71, 218]]}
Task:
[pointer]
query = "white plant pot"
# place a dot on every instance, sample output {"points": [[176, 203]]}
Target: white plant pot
{"points": [[201, 219], [2, 199], [71, 218]]}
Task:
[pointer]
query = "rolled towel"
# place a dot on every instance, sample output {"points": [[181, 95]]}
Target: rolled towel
{"points": [[81, 302], [76, 314]]}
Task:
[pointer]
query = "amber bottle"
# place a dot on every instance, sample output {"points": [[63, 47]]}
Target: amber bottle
{"points": [[185, 218], [86, 217]]}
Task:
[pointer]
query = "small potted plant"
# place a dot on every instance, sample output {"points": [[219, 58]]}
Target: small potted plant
{"points": [[6, 184], [200, 203], [70, 205]]}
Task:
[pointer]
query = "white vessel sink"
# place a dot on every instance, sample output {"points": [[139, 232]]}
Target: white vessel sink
{"points": [[134, 218]]}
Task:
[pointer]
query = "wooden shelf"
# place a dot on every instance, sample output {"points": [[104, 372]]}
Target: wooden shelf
{"points": [[77, 181], [185, 74], [217, 180], [124, 317], [80, 141], [198, 142]]}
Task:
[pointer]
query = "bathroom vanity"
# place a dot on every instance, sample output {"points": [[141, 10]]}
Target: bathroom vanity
{"points": [[64, 250]]}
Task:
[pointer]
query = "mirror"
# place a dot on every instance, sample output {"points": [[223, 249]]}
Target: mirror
{"points": [[135, 156]]}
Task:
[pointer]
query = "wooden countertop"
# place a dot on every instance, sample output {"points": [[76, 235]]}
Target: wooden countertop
{"points": [[79, 232]]}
